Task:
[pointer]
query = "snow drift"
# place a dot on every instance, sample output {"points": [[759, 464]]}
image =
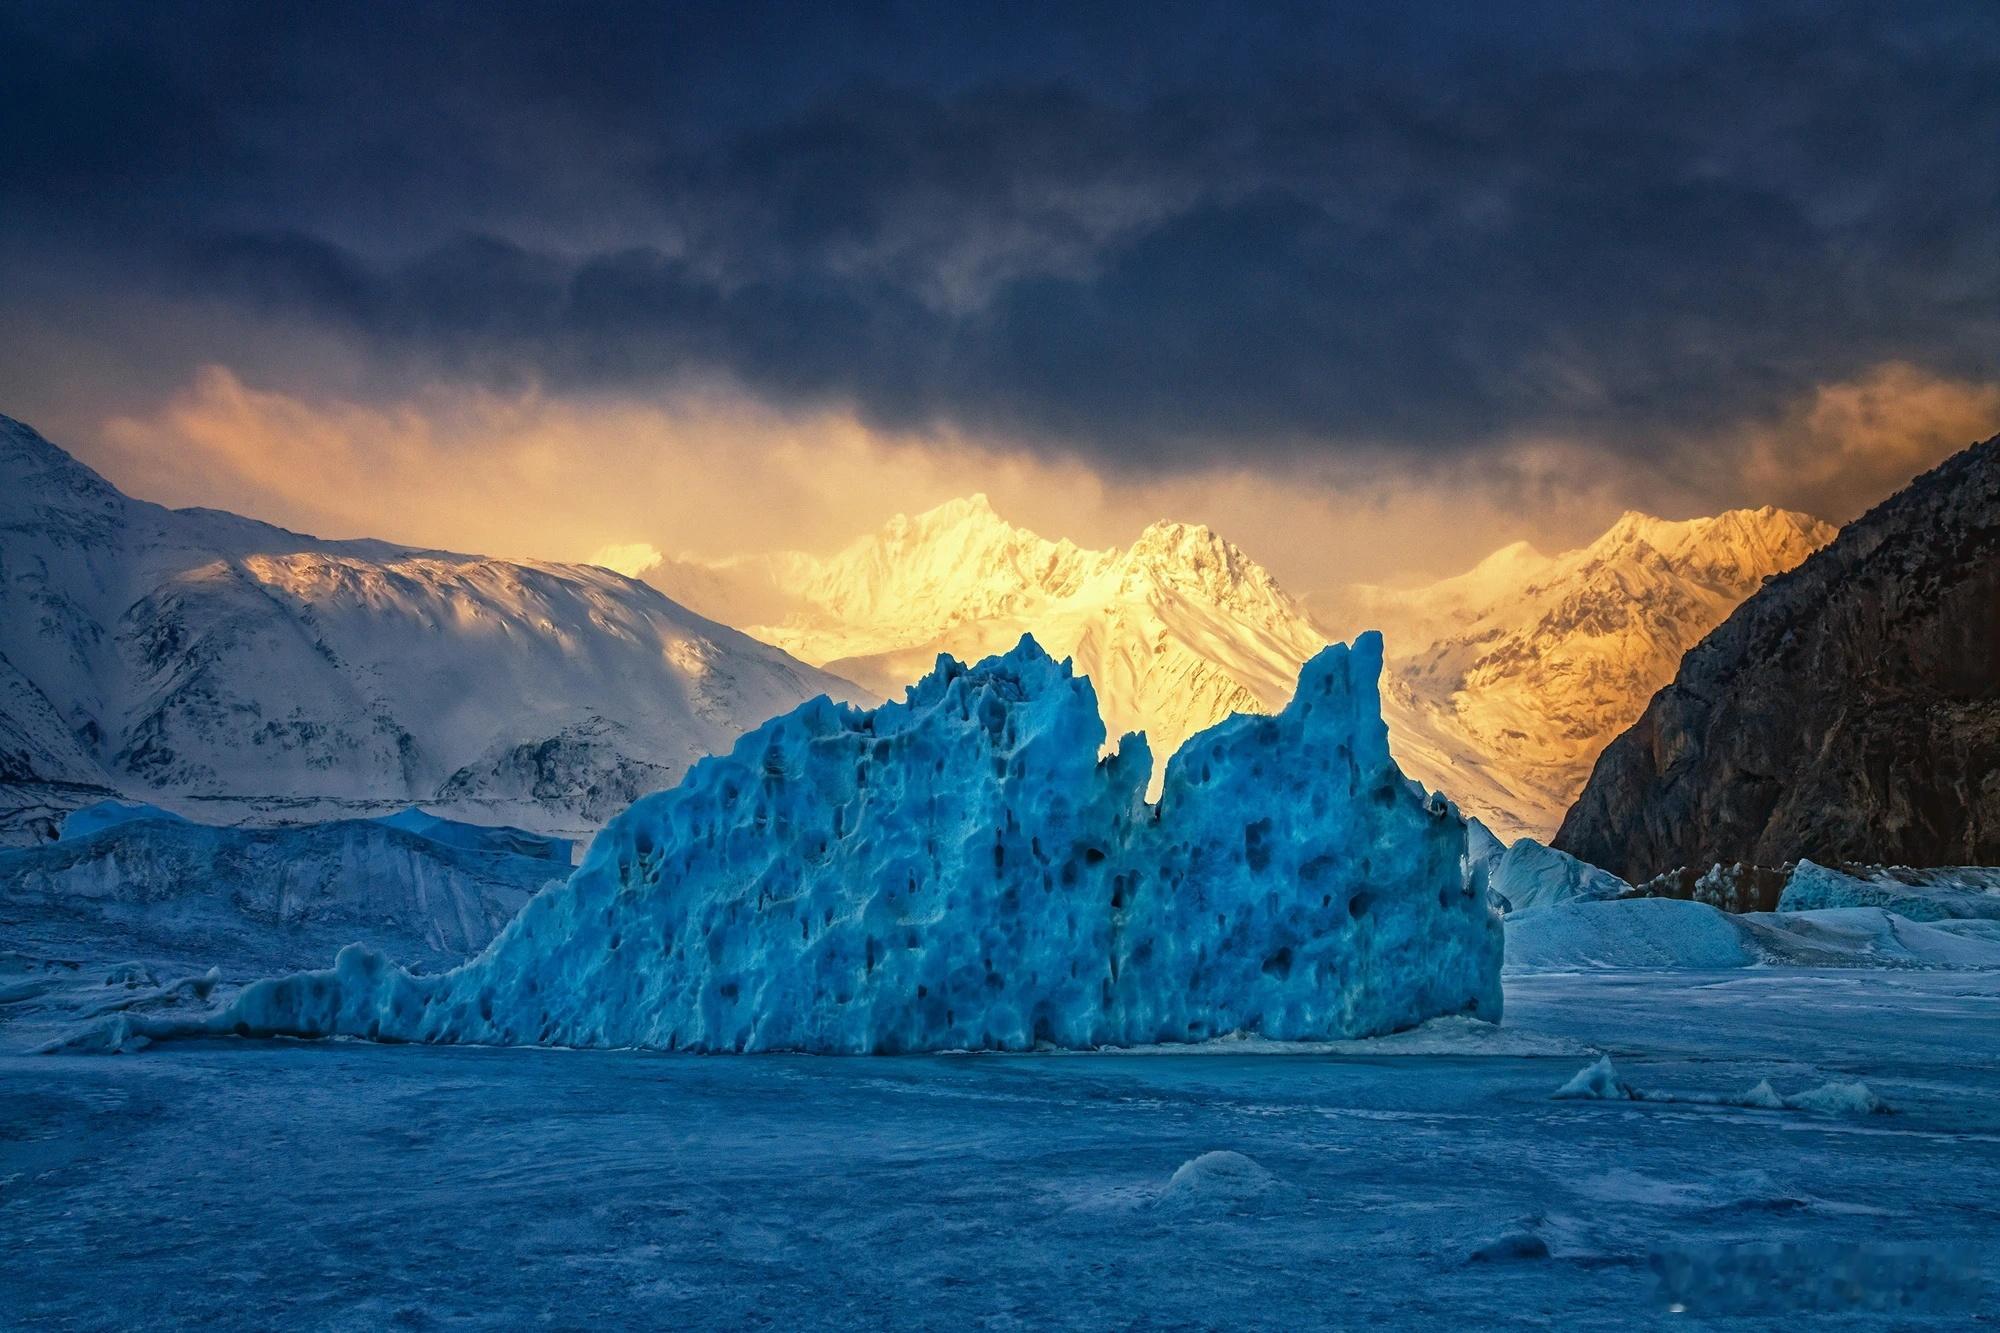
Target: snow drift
{"points": [[959, 870]]}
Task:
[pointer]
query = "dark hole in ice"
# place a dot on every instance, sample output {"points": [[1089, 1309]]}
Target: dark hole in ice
{"points": [[1257, 845]]}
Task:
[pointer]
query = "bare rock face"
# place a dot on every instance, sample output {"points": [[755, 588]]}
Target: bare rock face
{"points": [[1849, 711]]}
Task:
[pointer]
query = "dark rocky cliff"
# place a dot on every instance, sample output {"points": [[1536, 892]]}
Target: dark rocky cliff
{"points": [[1849, 710]]}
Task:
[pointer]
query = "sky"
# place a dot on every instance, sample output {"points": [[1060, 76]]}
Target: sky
{"points": [[1373, 290]]}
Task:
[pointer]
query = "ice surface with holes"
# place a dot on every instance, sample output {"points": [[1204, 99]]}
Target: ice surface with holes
{"points": [[960, 870]]}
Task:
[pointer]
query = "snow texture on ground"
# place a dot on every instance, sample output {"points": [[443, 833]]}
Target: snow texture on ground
{"points": [[239, 1185], [960, 871]]}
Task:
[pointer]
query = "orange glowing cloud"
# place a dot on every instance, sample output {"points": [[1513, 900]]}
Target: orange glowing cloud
{"points": [[1850, 444], [627, 483]]}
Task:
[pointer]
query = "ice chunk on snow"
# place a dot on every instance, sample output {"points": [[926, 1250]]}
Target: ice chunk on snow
{"points": [[1597, 1083], [1830, 1098], [1763, 1097], [1836, 1098], [1943, 893], [958, 870], [1216, 1179], [1600, 1082], [1510, 1247], [1530, 875]]}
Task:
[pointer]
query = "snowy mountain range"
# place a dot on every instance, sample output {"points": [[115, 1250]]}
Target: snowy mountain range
{"points": [[224, 666], [1502, 685], [198, 659], [1176, 632]]}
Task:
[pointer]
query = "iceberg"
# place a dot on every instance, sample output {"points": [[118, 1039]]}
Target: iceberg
{"points": [[959, 870], [1944, 893], [1529, 875]]}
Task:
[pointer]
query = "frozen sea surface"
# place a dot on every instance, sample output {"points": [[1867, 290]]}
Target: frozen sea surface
{"points": [[1427, 1183]]}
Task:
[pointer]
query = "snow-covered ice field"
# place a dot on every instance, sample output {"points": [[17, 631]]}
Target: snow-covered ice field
{"points": [[1426, 1182]]}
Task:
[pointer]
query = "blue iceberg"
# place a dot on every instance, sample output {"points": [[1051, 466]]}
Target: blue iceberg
{"points": [[959, 870]]}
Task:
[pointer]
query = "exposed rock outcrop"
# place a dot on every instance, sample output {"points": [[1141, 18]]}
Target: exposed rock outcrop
{"points": [[1849, 711]]}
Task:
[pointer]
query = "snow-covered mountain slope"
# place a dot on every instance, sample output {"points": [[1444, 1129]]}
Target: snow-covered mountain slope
{"points": [[192, 656], [1503, 683], [1507, 681], [1176, 633]]}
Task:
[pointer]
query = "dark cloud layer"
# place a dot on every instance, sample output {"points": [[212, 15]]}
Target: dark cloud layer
{"points": [[1148, 235]]}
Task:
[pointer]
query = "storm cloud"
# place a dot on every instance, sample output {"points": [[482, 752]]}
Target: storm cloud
{"points": [[1144, 237]]}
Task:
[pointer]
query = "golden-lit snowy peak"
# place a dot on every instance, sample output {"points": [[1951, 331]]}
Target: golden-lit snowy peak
{"points": [[1176, 632], [1507, 681], [1503, 682]]}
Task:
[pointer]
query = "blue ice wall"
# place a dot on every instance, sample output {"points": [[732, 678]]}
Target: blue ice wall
{"points": [[959, 870]]}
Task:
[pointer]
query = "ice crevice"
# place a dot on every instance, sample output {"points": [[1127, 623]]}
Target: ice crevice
{"points": [[959, 870]]}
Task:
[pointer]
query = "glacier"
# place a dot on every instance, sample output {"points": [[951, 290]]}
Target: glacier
{"points": [[132, 881], [960, 870]]}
